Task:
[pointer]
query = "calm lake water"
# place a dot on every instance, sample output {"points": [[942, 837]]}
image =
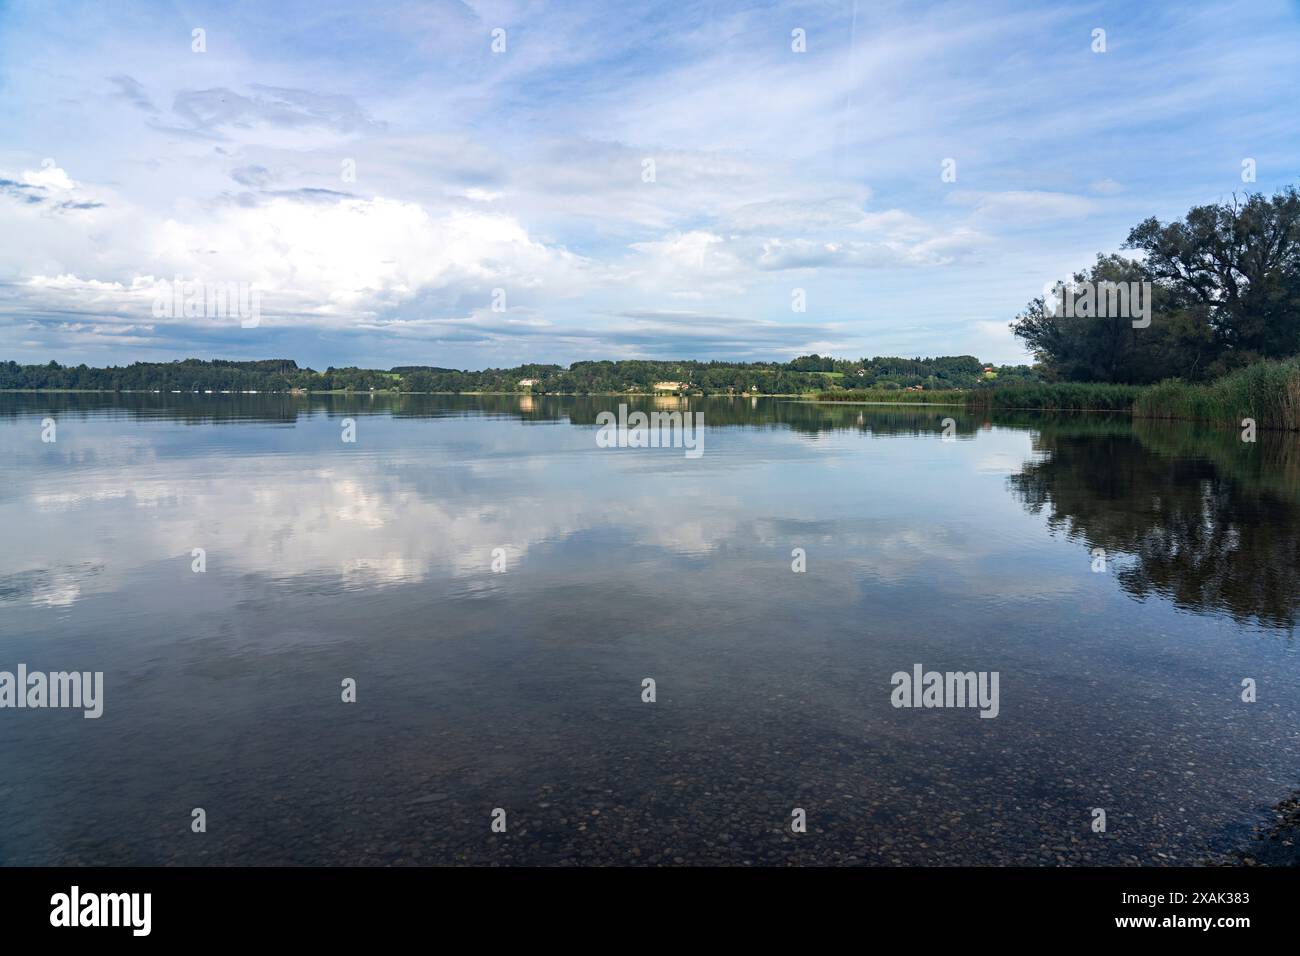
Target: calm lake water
{"points": [[521, 689]]}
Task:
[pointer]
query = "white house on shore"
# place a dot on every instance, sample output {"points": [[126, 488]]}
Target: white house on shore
{"points": [[671, 386]]}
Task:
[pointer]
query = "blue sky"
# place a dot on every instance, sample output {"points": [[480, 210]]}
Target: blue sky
{"points": [[127, 158]]}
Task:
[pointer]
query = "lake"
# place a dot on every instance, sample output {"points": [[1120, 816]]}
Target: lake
{"points": [[499, 588]]}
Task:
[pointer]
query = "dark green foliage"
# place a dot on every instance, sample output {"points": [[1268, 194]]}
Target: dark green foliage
{"points": [[1225, 285]]}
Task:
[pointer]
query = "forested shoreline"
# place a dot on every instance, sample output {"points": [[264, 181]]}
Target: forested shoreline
{"points": [[806, 374]]}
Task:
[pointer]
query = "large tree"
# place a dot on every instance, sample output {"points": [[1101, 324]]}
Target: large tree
{"points": [[1240, 262], [1107, 347], [1226, 292]]}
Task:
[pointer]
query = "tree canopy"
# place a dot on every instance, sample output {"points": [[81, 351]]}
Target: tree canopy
{"points": [[1225, 292]]}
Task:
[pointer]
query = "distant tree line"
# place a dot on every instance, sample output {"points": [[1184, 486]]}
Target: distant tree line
{"points": [[1225, 293], [193, 375], [808, 373]]}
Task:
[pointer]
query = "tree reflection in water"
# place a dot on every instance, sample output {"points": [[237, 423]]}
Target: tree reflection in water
{"points": [[1211, 523]]}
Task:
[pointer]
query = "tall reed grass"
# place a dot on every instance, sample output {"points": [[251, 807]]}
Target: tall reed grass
{"points": [[1061, 396], [937, 397], [1268, 392]]}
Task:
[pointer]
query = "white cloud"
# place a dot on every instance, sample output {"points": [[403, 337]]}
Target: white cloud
{"points": [[338, 259], [49, 177]]}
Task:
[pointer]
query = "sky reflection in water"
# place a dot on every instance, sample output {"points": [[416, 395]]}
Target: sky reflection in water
{"points": [[522, 689]]}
